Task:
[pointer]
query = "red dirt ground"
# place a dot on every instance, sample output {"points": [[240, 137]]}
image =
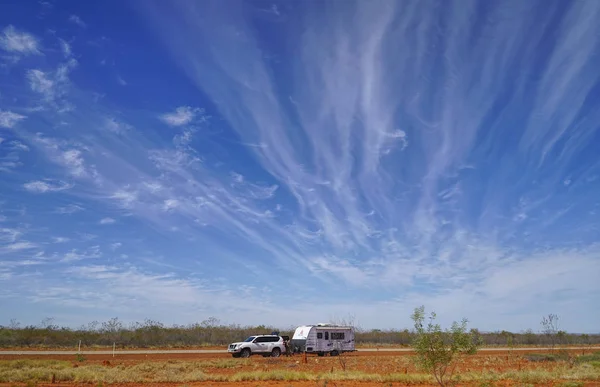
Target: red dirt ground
{"points": [[285, 384], [368, 362]]}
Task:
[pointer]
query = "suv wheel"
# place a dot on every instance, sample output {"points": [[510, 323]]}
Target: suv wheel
{"points": [[276, 352], [245, 352]]}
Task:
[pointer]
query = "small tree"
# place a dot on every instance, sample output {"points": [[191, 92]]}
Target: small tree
{"points": [[509, 338], [584, 340], [439, 351], [550, 328]]}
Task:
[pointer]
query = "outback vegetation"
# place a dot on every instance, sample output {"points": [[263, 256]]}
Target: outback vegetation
{"points": [[441, 357], [372, 369], [211, 332], [439, 351]]}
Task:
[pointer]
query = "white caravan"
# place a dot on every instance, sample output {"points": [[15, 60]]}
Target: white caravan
{"points": [[322, 339]]}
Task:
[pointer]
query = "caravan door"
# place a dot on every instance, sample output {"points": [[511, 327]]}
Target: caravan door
{"points": [[342, 340]]}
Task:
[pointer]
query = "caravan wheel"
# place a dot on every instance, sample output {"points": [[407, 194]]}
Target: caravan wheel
{"points": [[334, 353]]}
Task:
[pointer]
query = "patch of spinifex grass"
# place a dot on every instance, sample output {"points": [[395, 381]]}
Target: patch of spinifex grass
{"points": [[385, 378], [24, 370], [355, 376], [594, 357], [271, 375], [224, 363], [43, 371], [30, 363], [537, 376]]}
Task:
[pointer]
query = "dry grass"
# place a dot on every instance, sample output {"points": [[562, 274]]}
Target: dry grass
{"points": [[220, 363], [174, 371]]}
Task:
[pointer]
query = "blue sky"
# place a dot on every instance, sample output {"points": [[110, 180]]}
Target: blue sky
{"points": [[288, 162]]}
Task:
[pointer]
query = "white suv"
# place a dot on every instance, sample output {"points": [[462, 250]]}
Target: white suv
{"points": [[266, 345]]}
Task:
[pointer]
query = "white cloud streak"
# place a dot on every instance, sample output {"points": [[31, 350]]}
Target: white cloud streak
{"points": [[105, 221], [39, 186], [9, 119], [75, 255], [16, 41], [182, 115], [69, 209], [115, 126], [65, 47], [53, 86], [115, 246], [127, 287], [77, 20], [68, 154]]}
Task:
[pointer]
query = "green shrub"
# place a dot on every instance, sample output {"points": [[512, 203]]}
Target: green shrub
{"points": [[572, 384], [588, 358], [437, 351]]}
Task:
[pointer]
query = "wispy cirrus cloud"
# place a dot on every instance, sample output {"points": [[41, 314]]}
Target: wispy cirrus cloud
{"points": [[374, 172], [12, 242], [16, 41], [77, 20], [65, 47], [134, 284], [116, 126], [69, 209], [9, 235], [10, 119], [21, 245], [68, 154], [115, 246], [401, 156], [107, 221], [52, 86], [76, 255], [182, 115], [43, 186], [17, 146], [125, 197]]}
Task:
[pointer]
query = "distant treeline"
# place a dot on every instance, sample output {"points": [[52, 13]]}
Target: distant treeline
{"points": [[211, 332]]}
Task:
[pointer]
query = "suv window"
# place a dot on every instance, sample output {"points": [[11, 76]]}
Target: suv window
{"points": [[267, 339]]}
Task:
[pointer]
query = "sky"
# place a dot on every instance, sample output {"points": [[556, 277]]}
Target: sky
{"points": [[287, 163]]}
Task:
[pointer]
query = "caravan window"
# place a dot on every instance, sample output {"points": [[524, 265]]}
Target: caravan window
{"points": [[320, 335], [326, 335], [337, 335]]}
